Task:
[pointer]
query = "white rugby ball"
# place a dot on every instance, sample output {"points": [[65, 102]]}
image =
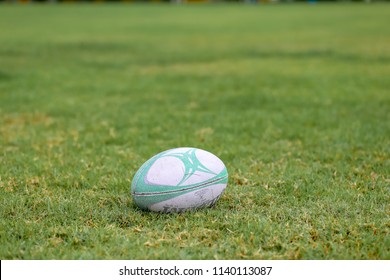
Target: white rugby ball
{"points": [[178, 180]]}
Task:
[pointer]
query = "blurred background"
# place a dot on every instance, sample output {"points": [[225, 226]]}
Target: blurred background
{"points": [[190, 1]]}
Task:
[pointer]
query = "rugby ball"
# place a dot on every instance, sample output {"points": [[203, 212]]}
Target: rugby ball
{"points": [[178, 180]]}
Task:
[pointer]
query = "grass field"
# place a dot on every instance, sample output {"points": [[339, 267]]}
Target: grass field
{"points": [[295, 99]]}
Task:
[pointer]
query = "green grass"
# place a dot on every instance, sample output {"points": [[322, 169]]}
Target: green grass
{"points": [[293, 98]]}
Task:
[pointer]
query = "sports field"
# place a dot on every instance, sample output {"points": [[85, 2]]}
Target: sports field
{"points": [[295, 99]]}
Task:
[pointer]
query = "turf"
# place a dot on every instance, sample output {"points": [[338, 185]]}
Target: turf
{"points": [[293, 98]]}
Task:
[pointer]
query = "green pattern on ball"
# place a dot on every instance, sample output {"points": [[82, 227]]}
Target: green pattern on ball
{"points": [[191, 164]]}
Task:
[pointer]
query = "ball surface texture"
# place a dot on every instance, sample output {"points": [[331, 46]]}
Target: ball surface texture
{"points": [[178, 180]]}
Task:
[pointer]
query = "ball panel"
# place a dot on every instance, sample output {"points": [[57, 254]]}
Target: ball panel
{"points": [[193, 200], [167, 171], [146, 199], [197, 178], [138, 177], [210, 161]]}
